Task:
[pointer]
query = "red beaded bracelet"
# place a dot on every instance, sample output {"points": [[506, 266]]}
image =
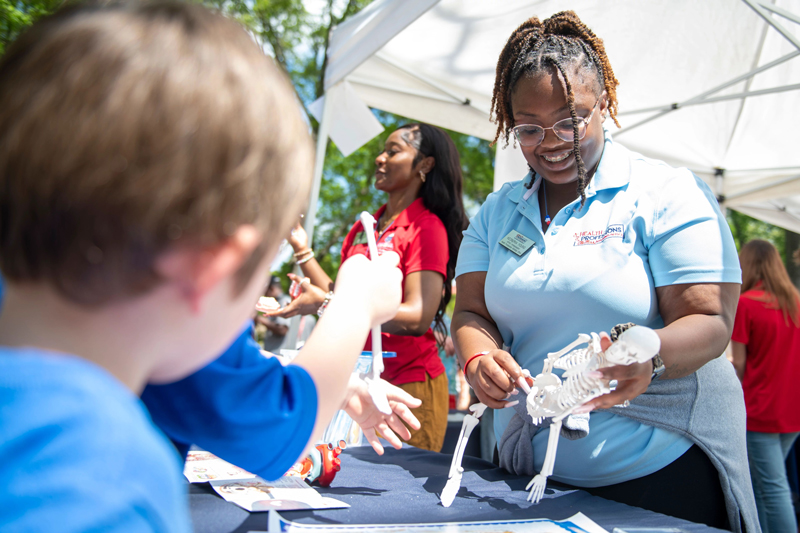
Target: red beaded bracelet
{"points": [[468, 362]]}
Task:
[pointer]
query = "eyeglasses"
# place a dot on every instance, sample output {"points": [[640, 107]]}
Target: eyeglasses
{"points": [[533, 135]]}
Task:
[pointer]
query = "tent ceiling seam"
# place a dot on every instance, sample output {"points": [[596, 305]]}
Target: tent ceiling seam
{"points": [[463, 100], [770, 169], [784, 209], [764, 187], [781, 208], [403, 90]]}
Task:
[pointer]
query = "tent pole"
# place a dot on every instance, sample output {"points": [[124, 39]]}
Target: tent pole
{"points": [[760, 7], [319, 163], [718, 88], [714, 99], [311, 214], [719, 184], [782, 12]]}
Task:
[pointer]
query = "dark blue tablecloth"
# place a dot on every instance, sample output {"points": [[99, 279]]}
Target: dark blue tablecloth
{"points": [[403, 486]]}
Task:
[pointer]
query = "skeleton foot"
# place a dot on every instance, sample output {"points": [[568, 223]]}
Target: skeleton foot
{"points": [[536, 486]]}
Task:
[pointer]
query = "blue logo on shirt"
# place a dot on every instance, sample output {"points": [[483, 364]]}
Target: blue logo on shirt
{"points": [[596, 237]]}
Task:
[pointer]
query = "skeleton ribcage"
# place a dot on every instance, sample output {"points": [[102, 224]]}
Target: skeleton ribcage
{"points": [[576, 389], [574, 359]]}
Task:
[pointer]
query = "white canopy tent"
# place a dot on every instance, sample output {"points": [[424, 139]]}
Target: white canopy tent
{"points": [[713, 85]]}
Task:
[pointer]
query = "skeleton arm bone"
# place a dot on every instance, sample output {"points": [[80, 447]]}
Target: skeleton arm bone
{"points": [[553, 357]]}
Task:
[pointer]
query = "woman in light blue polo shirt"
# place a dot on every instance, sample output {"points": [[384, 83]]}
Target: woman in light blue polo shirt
{"points": [[595, 236]]}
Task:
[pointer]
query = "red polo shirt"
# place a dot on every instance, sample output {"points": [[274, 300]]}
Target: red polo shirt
{"points": [[420, 239], [771, 392]]}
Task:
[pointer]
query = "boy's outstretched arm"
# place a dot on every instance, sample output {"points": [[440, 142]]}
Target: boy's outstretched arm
{"points": [[239, 405], [367, 293]]}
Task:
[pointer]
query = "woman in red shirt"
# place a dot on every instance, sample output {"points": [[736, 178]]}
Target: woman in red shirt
{"points": [[766, 355], [422, 221]]}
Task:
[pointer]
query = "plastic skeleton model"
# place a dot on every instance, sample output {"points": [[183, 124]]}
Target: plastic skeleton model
{"points": [[556, 398], [456, 471], [320, 465], [374, 384]]}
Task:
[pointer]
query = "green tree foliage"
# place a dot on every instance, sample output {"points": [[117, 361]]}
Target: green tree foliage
{"points": [[16, 16], [745, 229], [298, 41]]}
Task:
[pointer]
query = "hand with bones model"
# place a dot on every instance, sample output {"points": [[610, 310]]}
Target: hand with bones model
{"points": [[556, 398]]}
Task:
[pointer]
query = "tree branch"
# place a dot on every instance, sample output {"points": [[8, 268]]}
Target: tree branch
{"points": [[270, 35], [320, 85], [274, 42]]}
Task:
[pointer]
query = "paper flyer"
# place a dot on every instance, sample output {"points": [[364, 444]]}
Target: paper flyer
{"points": [[201, 467], [250, 492], [577, 523], [287, 494]]}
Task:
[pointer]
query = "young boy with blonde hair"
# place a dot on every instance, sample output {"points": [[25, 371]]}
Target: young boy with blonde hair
{"points": [[151, 157]]}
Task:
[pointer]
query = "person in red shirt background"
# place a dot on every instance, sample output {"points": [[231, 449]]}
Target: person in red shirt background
{"points": [[422, 220], [766, 355]]}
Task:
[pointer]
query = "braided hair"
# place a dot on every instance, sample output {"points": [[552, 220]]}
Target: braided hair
{"points": [[441, 193], [562, 42]]}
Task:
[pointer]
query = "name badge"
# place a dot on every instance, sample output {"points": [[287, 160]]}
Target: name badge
{"points": [[361, 238], [517, 242]]}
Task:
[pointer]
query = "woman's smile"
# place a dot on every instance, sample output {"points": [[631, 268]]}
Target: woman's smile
{"points": [[556, 159]]}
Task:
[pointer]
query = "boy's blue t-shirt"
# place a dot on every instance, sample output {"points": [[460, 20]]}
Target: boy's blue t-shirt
{"points": [[78, 451], [243, 407]]}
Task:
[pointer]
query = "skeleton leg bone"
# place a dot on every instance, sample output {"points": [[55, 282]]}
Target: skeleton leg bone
{"points": [[539, 482]]}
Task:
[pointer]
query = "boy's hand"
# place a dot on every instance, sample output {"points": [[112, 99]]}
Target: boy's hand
{"points": [[362, 410], [376, 283]]}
